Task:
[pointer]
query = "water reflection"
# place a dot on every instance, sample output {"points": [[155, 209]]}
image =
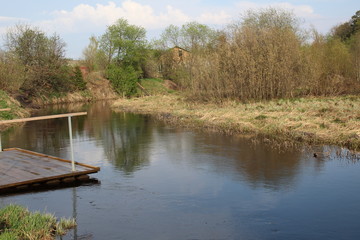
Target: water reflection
{"points": [[128, 140], [163, 182]]}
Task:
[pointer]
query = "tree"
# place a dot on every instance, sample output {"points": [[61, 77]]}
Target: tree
{"points": [[348, 29], [170, 37], [12, 72], [94, 58], [191, 36], [124, 46], [43, 58], [78, 80], [196, 36]]}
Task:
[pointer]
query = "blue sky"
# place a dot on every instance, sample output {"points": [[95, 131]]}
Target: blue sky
{"points": [[76, 20]]}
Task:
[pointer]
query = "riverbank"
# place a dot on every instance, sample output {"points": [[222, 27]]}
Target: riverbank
{"points": [[325, 120], [16, 111], [97, 88], [17, 222]]}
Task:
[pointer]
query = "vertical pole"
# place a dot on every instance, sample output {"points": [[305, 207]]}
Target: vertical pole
{"points": [[0, 143], [71, 145]]}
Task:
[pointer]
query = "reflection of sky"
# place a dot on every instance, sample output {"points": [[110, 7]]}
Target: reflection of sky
{"points": [[192, 185]]}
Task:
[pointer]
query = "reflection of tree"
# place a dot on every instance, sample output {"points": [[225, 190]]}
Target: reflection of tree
{"points": [[126, 138], [259, 164], [123, 136], [126, 141], [48, 136]]}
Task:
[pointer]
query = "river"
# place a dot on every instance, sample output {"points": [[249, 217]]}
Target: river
{"points": [[163, 182]]}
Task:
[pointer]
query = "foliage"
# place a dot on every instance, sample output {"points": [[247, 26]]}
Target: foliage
{"points": [[78, 80], [259, 58], [348, 29], [265, 56], [42, 57], [123, 79], [12, 72], [191, 36], [124, 47], [94, 59], [124, 44]]}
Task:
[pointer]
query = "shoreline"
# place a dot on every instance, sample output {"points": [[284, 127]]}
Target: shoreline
{"points": [[321, 120]]}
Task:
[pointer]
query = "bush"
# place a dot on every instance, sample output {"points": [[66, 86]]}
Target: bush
{"points": [[259, 58], [12, 73], [123, 79], [77, 79]]}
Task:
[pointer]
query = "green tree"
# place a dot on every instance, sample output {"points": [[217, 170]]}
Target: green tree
{"points": [[78, 80], [42, 56], [191, 36], [124, 44], [196, 36], [169, 38], [125, 48], [348, 29], [123, 79], [94, 58]]}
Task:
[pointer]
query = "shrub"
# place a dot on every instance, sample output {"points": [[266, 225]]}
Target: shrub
{"points": [[123, 79]]}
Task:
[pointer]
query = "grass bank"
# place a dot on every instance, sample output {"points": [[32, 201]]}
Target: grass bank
{"points": [[97, 88], [16, 222], [326, 120], [8, 102]]}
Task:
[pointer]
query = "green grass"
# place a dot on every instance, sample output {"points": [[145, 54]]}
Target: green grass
{"points": [[153, 86], [7, 102], [17, 222]]}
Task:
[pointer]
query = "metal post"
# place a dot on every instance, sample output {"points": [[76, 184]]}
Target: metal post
{"points": [[0, 143], [71, 145]]}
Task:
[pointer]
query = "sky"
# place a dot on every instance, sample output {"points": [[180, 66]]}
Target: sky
{"points": [[76, 20]]}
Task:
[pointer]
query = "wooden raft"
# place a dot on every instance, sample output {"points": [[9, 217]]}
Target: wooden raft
{"points": [[23, 168]]}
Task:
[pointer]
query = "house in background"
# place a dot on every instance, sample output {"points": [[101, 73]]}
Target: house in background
{"points": [[179, 55], [172, 59]]}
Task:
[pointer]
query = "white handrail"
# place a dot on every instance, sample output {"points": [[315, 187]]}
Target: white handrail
{"points": [[68, 115]]}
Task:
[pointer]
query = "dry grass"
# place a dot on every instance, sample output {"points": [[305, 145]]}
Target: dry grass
{"points": [[98, 88], [331, 120]]}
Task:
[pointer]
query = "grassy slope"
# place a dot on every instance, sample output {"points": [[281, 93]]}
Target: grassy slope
{"points": [[153, 86], [98, 88], [8, 102], [331, 120]]}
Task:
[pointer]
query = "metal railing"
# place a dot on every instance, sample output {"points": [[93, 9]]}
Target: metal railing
{"points": [[68, 115]]}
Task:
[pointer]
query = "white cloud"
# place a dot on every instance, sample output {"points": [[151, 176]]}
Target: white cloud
{"points": [[84, 17], [5, 22], [11, 19]]}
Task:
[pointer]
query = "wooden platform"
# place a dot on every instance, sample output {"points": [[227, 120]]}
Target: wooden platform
{"points": [[22, 168]]}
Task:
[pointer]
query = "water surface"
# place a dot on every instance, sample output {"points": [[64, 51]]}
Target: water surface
{"points": [[162, 182]]}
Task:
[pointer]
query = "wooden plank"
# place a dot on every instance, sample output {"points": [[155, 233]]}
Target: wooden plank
{"points": [[51, 157], [20, 167], [5, 109], [43, 117]]}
